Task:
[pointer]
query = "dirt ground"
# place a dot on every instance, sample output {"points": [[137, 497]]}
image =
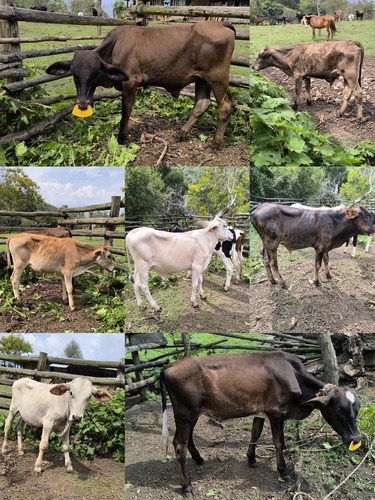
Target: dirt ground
{"points": [[221, 312], [38, 321], [225, 474], [326, 101], [154, 134], [99, 479], [340, 305]]}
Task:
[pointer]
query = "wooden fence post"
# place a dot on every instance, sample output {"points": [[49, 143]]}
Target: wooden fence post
{"points": [[114, 212], [9, 29], [42, 363]]}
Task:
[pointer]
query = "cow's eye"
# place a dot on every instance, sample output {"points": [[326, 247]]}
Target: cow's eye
{"points": [[71, 393]]}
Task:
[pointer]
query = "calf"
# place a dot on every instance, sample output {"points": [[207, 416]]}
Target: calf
{"points": [[197, 53], [52, 408], [168, 253], [45, 254], [327, 61], [272, 385], [296, 228], [359, 14]]}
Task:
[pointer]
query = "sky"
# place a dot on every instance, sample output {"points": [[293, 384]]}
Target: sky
{"points": [[94, 346], [78, 186]]}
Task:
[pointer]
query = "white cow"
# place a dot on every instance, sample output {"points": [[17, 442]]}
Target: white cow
{"points": [[54, 408], [231, 250], [168, 253]]}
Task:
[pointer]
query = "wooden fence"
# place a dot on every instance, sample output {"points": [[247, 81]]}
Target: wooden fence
{"points": [[110, 223], [11, 55], [42, 371], [317, 202]]}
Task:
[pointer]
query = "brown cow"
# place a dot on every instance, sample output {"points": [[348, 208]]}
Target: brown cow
{"points": [[273, 385], [337, 14], [327, 61], [297, 228], [167, 56], [259, 20], [45, 254]]}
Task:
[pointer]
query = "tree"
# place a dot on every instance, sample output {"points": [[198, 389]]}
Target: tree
{"points": [[143, 191], [331, 372], [72, 350], [14, 344], [217, 187], [360, 184]]}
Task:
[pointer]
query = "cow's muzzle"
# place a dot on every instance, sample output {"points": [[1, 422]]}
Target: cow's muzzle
{"points": [[76, 419]]}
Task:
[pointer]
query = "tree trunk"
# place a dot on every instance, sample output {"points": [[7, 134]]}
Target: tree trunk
{"points": [[331, 373]]}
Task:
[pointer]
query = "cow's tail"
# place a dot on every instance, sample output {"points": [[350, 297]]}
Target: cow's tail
{"points": [[165, 434], [333, 26], [131, 278], [9, 256], [360, 64]]}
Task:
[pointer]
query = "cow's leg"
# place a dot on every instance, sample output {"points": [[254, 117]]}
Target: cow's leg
{"points": [[357, 91], [277, 427], [129, 89], [16, 277], [196, 282], [69, 288], [65, 445], [345, 98], [266, 263], [141, 281], [202, 103], [368, 244], [20, 426], [226, 105], [47, 427], [318, 265], [181, 439], [193, 450], [216, 262], [256, 431], [328, 28], [229, 271], [326, 265], [272, 253], [308, 90], [346, 245], [355, 239], [298, 88], [313, 37], [8, 424]]}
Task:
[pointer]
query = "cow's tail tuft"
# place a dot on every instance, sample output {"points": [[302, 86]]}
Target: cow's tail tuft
{"points": [[131, 278], [165, 434]]}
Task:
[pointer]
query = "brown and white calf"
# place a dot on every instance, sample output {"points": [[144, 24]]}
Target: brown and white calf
{"points": [[168, 253], [54, 408], [45, 254], [273, 385], [327, 60]]}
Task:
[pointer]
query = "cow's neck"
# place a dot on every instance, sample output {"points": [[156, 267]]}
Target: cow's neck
{"points": [[281, 60]]}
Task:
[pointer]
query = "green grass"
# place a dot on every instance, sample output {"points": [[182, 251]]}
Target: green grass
{"points": [[281, 36]]}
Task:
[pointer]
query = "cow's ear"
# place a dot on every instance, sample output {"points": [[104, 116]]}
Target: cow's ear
{"points": [[318, 401], [213, 228], [59, 389], [114, 73], [59, 68], [203, 223], [101, 395], [351, 213]]}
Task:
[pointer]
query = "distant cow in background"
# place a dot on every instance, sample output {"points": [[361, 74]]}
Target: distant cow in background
{"points": [[337, 14], [359, 14], [54, 408], [259, 20], [351, 17]]}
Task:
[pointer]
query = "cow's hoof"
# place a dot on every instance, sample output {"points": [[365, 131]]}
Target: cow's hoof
{"points": [[20, 453], [253, 464], [284, 286], [204, 297], [72, 309], [199, 461], [284, 474], [317, 283], [308, 103], [329, 277], [69, 469], [38, 473], [188, 492], [225, 289], [195, 304]]}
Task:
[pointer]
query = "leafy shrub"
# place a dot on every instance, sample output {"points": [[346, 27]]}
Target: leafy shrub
{"points": [[281, 136]]}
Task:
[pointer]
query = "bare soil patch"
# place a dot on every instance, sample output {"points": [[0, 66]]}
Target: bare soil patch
{"points": [[81, 320], [190, 151], [340, 305], [225, 475], [221, 311], [99, 479], [326, 101]]}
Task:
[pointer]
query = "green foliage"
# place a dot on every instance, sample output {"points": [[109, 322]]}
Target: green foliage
{"points": [[367, 420], [361, 180], [14, 344], [281, 136], [144, 191]]}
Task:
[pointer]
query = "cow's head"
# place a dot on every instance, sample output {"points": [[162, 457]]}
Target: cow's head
{"points": [[80, 391], [219, 227], [88, 71], [104, 258], [363, 219], [264, 59], [339, 407]]}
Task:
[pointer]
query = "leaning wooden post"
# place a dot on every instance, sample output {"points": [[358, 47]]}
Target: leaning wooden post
{"points": [[42, 364], [99, 9], [114, 212], [9, 29], [186, 341]]}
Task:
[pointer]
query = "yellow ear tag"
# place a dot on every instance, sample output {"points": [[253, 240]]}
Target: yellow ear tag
{"points": [[353, 446], [82, 113]]}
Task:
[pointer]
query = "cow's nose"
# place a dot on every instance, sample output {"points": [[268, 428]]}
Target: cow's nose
{"points": [[76, 418]]}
